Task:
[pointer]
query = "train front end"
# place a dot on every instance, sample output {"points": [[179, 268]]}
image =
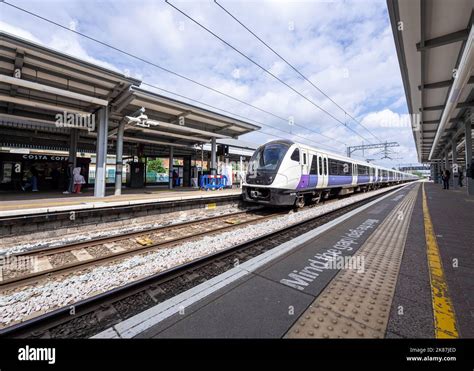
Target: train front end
{"points": [[266, 181]]}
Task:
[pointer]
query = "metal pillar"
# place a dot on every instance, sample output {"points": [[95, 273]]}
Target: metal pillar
{"points": [[213, 156], [119, 159], [202, 165], [101, 153], [187, 171], [73, 138], [469, 180], [454, 159], [446, 160], [241, 171], [438, 172], [170, 180]]}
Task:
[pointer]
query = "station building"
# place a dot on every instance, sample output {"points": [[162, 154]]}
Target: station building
{"points": [[56, 109]]}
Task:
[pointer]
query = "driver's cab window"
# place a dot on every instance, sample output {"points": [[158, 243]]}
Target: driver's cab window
{"points": [[295, 156]]}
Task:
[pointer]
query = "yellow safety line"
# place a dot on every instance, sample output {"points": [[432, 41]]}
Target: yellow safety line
{"points": [[443, 309]]}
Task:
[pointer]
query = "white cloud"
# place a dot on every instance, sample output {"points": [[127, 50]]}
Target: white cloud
{"points": [[18, 31], [345, 47]]}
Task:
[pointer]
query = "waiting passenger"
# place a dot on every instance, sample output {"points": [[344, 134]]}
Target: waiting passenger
{"points": [[460, 178], [446, 176], [69, 178], [33, 180], [78, 180], [175, 178]]}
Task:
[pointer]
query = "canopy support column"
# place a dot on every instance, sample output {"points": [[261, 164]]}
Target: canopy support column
{"points": [[101, 153], [73, 138], [468, 124], [170, 181], [213, 156], [454, 159], [119, 159]]}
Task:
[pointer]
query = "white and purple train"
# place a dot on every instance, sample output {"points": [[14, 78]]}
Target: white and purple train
{"points": [[285, 173]]}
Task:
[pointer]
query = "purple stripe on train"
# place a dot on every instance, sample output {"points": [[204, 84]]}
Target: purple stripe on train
{"points": [[313, 181], [363, 179], [339, 180], [304, 182], [310, 181]]}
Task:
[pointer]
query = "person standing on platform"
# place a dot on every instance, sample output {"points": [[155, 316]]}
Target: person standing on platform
{"points": [[460, 178], [175, 178], [33, 180], [78, 180], [69, 178], [446, 176]]}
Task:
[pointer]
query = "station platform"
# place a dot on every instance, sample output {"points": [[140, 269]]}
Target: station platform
{"points": [[411, 275], [29, 203]]}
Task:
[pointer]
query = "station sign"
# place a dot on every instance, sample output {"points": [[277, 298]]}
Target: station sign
{"points": [[40, 157], [18, 156]]}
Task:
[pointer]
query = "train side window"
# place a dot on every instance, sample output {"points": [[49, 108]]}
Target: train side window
{"points": [[304, 159], [334, 167], [295, 156], [314, 167], [325, 166], [320, 166]]}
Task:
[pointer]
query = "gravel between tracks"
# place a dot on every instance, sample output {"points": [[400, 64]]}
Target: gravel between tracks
{"points": [[20, 303], [12, 245]]}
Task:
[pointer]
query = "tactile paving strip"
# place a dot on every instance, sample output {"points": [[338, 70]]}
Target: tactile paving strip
{"points": [[356, 304], [319, 322]]}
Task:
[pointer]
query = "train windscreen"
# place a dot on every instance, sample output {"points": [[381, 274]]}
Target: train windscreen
{"points": [[268, 157]]}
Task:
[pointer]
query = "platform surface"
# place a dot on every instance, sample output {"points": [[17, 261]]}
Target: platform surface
{"points": [[392, 296], [30, 202]]}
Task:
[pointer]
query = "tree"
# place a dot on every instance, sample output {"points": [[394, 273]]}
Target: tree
{"points": [[156, 165]]}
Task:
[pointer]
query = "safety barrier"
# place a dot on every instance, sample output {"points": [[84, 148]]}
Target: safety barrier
{"points": [[213, 182]]}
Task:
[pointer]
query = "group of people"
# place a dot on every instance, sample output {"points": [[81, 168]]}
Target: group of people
{"points": [[446, 176], [74, 178]]}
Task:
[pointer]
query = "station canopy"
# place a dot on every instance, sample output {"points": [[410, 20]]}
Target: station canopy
{"points": [[433, 39], [37, 83]]}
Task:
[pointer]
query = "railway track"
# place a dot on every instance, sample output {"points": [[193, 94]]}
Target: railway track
{"points": [[97, 313], [41, 262]]}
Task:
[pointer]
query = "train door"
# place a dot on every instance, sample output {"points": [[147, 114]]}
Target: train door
{"points": [[325, 171], [354, 174], [320, 171], [304, 162], [304, 166]]}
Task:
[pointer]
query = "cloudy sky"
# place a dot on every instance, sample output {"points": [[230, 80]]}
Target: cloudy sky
{"points": [[345, 48]]}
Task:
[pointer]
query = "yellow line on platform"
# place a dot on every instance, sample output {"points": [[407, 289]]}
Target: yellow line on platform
{"points": [[443, 309]]}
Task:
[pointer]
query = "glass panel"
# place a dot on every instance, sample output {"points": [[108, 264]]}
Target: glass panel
{"points": [[268, 157], [296, 155]]}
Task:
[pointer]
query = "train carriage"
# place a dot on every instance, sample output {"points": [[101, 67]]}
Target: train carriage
{"points": [[283, 172]]}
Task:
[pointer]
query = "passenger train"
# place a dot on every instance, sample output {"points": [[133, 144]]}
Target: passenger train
{"points": [[285, 173]]}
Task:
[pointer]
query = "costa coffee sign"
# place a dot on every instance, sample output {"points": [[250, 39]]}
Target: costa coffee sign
{"points": [[44, 157]]}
